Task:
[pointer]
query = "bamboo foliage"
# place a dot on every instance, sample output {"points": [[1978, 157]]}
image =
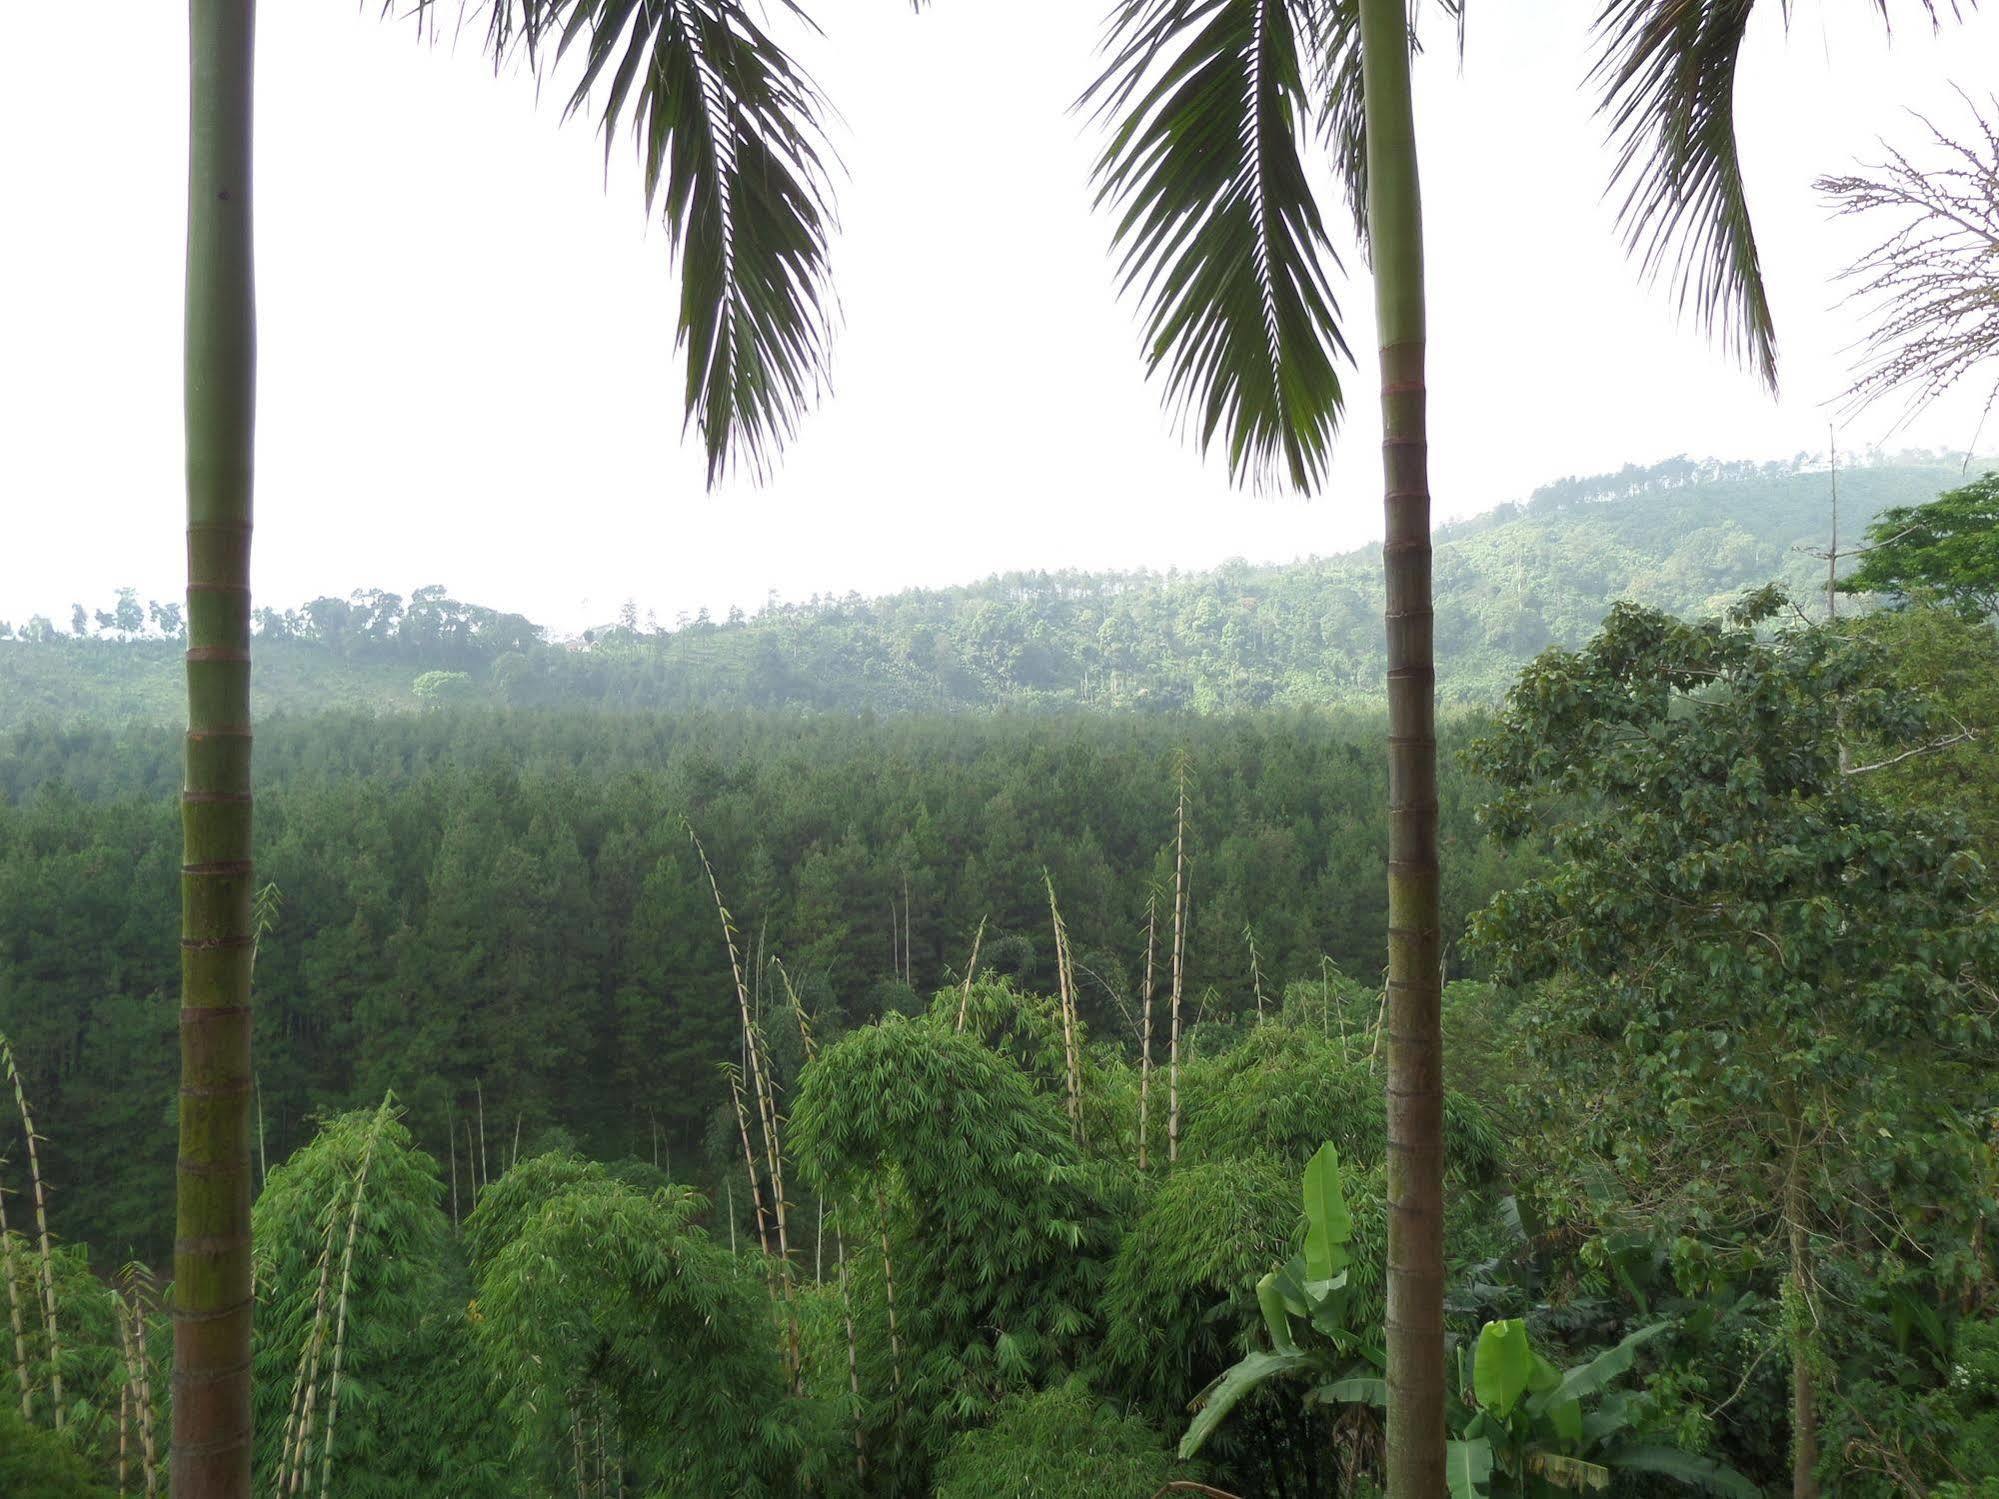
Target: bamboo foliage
{"points": [[45, 1257]]}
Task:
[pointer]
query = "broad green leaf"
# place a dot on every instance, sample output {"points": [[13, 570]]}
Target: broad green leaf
{"points": [[1468, 1468], [1274, 1315], [1588, 1379], [1569, 1472], [1689, 1468], [1502, 1364], [1237, 1381], [1359, 1390], [1328, 1223], [1567, 1419]]}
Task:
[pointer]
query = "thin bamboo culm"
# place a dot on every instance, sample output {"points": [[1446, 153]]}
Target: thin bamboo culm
{"points": [[10, 1269], [298, 1414], [485, 1176], [451, 1142], [1145, 1030], [137, 1391], [853, 1347], [888, 1293], [735, 1077], [1179, 970], [965, 997], [1071, 1067], [346, 1284], [46, 1255]]}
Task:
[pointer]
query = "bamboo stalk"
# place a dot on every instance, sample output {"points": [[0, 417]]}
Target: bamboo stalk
{"points": [[149, 1459], [1255, 967], [214, 1304], [124, 1405], [1179, 970], [346, 1283], [1145, 1029], [853, 1347], [263, 1155], [485, 1176], [515, 1159], [9, 1269], [888, 1287], [451, 1141], [47, 1255], [298, 1418], [1068, 1016], [908, 956], [749, 1164], [965, 999], [758, 1085]]}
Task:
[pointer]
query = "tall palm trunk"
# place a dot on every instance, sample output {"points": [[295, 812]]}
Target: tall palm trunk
{"points": [[1416, 1430], [212, 1295]]}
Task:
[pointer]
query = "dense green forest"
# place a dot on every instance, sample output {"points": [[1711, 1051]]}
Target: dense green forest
{"points": [[1682, 535], [771, 1103]]}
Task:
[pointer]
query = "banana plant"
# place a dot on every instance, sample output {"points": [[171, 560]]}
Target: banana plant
{"points": [[1524, 1432], [1323, 1344]]}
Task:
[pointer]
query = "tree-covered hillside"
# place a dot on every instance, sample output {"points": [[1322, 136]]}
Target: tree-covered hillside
{"points": [[1681, 536]]}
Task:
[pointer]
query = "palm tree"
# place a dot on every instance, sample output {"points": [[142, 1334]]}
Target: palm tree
{"points": [[727, 130], [1209, 103]]}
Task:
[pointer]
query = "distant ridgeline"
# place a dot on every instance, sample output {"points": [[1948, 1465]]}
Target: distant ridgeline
{"points": [[1681, 535]]}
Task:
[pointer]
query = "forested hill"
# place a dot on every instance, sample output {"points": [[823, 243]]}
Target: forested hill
{"points": [[1682, 535]]}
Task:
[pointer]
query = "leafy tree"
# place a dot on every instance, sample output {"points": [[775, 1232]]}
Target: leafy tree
{"points": [[1061, 1443], [1946, 551], [36, 1463], [366, 1366], [1740, 939]]}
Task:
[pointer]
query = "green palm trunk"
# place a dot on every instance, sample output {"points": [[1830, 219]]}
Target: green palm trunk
{"points": [[212, 1296], [1416, 1429]]}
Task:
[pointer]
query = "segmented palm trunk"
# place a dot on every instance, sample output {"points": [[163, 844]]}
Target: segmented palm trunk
{"points": [[1416, 1429], [212, 1292]]}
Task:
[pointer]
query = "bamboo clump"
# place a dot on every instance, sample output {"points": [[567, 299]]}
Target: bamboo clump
{"points": [[46, 1255]]}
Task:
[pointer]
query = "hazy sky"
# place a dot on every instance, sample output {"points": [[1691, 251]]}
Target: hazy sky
{"points": [[468, 373]]}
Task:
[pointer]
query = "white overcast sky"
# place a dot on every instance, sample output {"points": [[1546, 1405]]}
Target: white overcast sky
{"points": [[467, 370]]}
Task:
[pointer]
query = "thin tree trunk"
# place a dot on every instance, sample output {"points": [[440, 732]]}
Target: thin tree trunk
{"points": [[213, 1301], [45, 1258], [1179, 967], [8, 1269], [965, 998], [1070, 1070], [1145, 1029], [1416, 1379], [1804, 1387]]}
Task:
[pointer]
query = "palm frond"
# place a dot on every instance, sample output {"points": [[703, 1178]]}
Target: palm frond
{"points": [[736, 161], [1667, 71], [1218, 232]]}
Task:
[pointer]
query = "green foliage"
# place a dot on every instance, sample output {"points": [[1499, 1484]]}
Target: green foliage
{"points": [[608, 1315], [999, 1225], [1060, 1443], [412, 1415], [35, 1463], [1946, 551]]}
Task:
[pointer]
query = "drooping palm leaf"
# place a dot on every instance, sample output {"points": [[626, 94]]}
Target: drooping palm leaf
{"points": [[1218, 230], [728, 128], [1667, 71]]}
